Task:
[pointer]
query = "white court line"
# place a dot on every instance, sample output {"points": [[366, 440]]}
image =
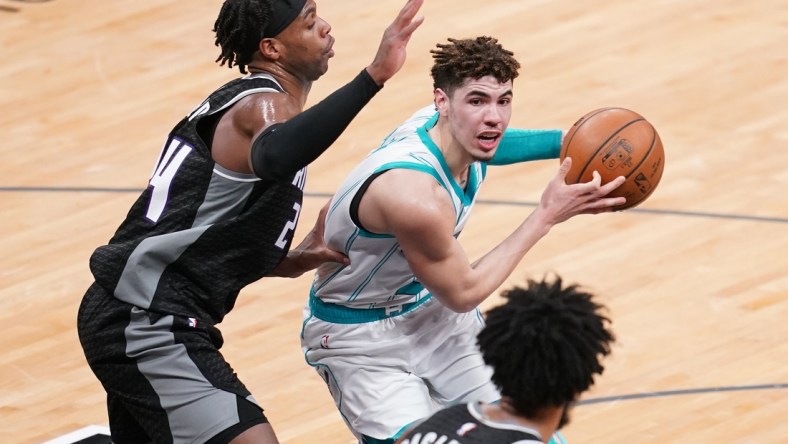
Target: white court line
{"points": [[77, 435]]}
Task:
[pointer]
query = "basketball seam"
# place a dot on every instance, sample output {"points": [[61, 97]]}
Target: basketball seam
{"points": [[653, 144], [585, 119], [645, 156], [599, 148]]}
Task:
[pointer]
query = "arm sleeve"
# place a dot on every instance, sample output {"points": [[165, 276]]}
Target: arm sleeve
{"points": [[284, 148], [523, 145]]}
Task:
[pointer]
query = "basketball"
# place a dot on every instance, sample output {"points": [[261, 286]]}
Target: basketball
{"points": [[616, 142]]}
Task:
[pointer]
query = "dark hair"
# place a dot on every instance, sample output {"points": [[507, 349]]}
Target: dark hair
{"points": [[459, 60], [239, 29], [545, 344]]}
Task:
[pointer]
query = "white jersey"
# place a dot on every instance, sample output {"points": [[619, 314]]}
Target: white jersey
{"points": [[378, 275]]}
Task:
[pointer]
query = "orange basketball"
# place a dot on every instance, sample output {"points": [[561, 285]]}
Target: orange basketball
{"points": [[616, 142]]}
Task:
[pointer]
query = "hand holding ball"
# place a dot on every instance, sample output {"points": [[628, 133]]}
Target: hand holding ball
{"points": [[616, 142]]}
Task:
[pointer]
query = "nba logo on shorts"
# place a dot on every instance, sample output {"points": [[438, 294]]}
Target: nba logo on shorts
{"points": [[324, 342]]}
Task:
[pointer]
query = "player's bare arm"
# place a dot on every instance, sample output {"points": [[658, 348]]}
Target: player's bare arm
{"points": [[244, 122], [421, 217]]}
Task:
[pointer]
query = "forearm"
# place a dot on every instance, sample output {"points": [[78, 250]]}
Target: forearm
{"points": [[488, 273], [287, 147], [291, 266], [523, 145]]}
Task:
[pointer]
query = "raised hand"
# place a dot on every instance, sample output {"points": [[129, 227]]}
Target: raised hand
{"points": [[392, 50]]}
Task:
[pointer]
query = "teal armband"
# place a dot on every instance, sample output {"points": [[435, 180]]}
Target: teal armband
{"points": [[523, 145]]}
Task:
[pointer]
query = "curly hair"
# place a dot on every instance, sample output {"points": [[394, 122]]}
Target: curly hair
{"points": [[239, 29], [545, 344], [460, 60]]}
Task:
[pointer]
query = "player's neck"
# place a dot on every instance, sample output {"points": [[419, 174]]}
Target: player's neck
{"points": [[457, 159], [546, 423], [292, 84]]}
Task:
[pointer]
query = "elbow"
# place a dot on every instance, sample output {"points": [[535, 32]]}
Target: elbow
{"points": [[268, 156], [458, 305], [268, 165]]}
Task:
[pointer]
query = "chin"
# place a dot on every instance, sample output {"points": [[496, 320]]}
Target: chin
{"points": [[484, 156]]}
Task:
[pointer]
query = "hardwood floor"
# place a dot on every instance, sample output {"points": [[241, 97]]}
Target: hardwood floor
{"points": [[696, 278]]}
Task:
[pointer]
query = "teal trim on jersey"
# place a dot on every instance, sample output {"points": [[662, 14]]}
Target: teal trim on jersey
{"points": [[330, 278], [424, 168], [303, 327], [350, 240], [412, 289], [473, 182], [372, 273], [402, 165], [341, 314], [339, 270], [390, 440], [402, 430], [557, 438], [389, 139], [480, 317], [364, 233], [465, 195]]}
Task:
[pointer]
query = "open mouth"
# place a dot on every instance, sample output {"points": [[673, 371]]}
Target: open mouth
{"points": [[489, 140]]}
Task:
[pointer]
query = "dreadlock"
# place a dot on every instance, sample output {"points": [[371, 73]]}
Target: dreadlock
{"points": [[239, 29], [545, 344], [459, 60]]}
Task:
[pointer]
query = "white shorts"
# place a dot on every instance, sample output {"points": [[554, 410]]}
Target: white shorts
{"points": [[387, 373]]}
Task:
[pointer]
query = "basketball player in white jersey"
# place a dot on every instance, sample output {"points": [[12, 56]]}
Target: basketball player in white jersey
{"points": [[393, 333]]}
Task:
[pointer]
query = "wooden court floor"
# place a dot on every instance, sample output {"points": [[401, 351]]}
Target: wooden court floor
{"points": [[696, 279]]}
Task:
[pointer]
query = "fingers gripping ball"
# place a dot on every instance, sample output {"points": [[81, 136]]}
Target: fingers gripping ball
{"points": [[616, 142]]}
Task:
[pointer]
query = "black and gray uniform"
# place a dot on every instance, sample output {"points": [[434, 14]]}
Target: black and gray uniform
{"points": [[465, 424], [193, 239]]}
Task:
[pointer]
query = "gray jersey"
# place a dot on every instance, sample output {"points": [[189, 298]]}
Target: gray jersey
{"points": [[199, 232]]}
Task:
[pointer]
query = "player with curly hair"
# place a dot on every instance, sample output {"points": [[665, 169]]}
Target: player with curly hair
{"points": [[545, 345], [393, 333]]}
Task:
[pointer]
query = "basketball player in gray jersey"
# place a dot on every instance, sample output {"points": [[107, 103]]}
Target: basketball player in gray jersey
{"points": [[545, 345], [219, 213], [393, 333]]}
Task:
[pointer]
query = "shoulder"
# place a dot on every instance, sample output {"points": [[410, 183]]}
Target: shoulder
{"points": [[408, 202], [412, 188], [256, 112]]}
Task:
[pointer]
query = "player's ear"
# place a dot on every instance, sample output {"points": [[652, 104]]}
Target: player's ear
{"points": [[270, 48], [441, 101]]}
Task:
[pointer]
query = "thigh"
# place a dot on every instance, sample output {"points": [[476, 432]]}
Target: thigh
{"points": [[455, 370], [123, 426], [167, 374], [198, 390], [375, 401], [367, 371]]}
